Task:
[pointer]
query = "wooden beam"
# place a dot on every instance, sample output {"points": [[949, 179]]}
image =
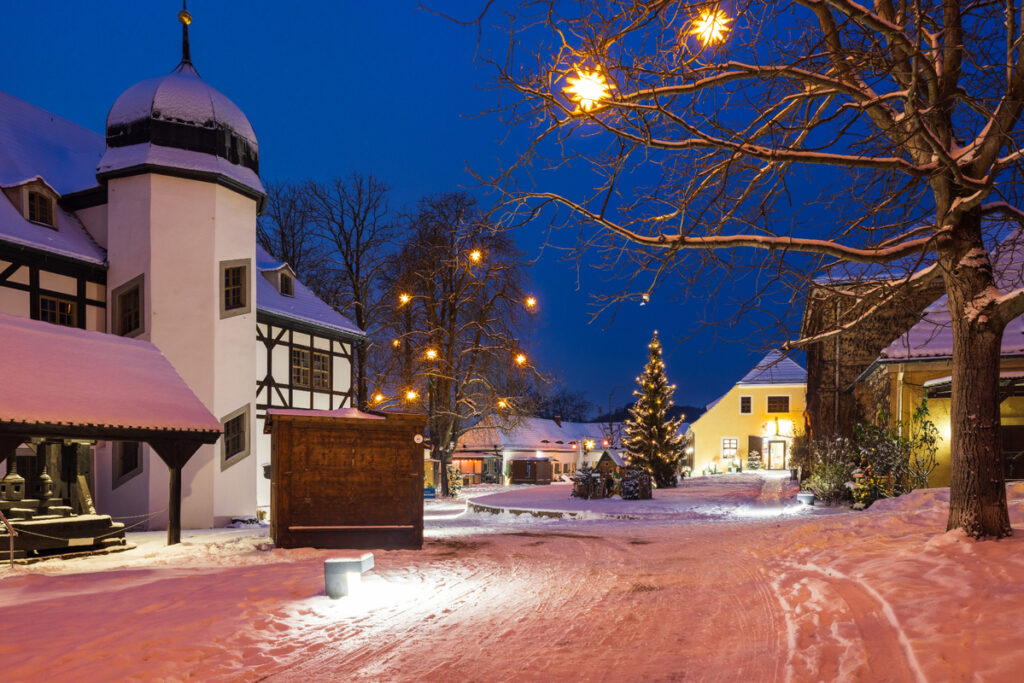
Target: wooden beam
{"points": [[175, 453]]}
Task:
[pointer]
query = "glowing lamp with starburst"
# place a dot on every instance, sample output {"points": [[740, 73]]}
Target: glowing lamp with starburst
{"points": [[588, 89], [711, 26]]}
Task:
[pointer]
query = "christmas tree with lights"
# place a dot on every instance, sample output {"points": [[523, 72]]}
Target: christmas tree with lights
{"points": [[652, 438]]}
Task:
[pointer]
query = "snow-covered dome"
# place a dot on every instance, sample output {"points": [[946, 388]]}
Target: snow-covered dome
{"points": [[178, 122], [184, 111]]}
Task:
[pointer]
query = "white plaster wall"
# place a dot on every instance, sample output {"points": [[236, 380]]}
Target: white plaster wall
{"points": [[128, 211], [58, 283], [15, 302], [94, 219], [235, 350], [262, 458]]}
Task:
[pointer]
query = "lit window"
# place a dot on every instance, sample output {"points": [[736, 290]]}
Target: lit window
{"points": [[778, 404], [234, 290], [234, 436], [730, 447], [300, 367], [58, 311], [746, 405], [321, 370], [287, 286], [40, 208]]}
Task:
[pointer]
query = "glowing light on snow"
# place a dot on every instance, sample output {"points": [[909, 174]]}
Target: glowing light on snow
{"points": [[588, 89], [711, 26]]}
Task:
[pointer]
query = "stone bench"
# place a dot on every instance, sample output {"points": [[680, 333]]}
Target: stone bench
{"points": [[343, 574]]}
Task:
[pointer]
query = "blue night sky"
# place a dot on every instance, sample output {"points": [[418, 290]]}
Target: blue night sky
{"points": [[333, 87]]}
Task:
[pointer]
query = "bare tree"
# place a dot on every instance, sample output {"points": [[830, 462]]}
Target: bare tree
{"points": [[458, 316], [351, 217], [286, 230], [561, 404], [817, 132]]}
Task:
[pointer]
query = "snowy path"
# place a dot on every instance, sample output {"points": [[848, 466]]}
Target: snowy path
{"points": [[879, 596]]}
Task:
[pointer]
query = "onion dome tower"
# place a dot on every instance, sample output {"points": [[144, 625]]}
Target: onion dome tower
{"points": [[180, 125], [183, 193]]}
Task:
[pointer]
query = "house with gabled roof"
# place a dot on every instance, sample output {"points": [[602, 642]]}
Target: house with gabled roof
{"points": [[919, 363], [149, 230], [754, 422]]}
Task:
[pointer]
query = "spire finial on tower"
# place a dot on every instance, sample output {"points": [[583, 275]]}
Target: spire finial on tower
{"points": [[185, 18]]}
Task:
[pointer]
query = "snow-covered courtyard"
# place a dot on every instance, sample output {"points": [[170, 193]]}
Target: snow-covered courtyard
{"points": [[727, 581]]}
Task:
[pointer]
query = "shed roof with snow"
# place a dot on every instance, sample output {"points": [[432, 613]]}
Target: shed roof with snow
{"points": [[932, 337], [66, 377]]}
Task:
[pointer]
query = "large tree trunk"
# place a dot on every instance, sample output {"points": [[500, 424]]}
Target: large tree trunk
{"points": [[977, 499]]}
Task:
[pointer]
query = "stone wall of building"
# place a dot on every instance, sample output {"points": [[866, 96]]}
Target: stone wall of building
{"points": [[834, 364]]}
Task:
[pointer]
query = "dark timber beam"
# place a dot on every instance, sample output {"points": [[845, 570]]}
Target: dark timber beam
{"points": [[175, 453]]}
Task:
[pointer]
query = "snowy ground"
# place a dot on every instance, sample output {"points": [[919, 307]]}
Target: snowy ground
{"points": [[880, 595]]}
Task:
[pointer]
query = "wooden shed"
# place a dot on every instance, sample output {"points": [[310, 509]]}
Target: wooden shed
{"points": [[531, 471], [346, 479]]}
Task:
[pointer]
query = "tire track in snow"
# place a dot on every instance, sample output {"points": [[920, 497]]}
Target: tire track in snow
{"points": [[851, 625]]}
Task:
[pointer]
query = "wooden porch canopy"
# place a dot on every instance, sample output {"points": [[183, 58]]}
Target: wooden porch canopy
{"points": [[62, 382], [1011, 383]]}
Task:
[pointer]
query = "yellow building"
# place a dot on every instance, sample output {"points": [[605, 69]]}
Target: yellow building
{"points": [[919, 362], [761, 414]]}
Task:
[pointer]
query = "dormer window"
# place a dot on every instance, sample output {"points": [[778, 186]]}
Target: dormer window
{"points": [[287, 285], [40, 208]]}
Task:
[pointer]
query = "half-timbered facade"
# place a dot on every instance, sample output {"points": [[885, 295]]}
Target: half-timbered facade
{"points": [[150, 232]]}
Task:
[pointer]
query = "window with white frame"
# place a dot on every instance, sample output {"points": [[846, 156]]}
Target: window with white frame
{"points": [[730, 447], [778, 404]]}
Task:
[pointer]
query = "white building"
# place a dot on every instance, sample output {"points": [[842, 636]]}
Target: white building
{"points": [[150, 232], [567, 445]]}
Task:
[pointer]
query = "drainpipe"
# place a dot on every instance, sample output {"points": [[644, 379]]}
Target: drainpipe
{"points": [[835, 393], [899, 395]]}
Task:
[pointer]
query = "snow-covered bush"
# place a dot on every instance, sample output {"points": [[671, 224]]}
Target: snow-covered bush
{"points": [[832, 462], [895, 457], [636, 484]]}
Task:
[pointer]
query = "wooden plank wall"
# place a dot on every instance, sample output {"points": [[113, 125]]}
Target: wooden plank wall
{"points": [[347, 482]]}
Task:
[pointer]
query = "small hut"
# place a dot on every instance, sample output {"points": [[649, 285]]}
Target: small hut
{"points": [[346, 479], [531, 471]]}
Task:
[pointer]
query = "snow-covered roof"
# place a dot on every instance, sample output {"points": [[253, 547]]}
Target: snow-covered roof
{"points": [[34, 142], [932, 336], [180, 96], [62, 375], [118, 160], [68, 239], [533, 434], [775, 368], [304, 306], [347, 413]]}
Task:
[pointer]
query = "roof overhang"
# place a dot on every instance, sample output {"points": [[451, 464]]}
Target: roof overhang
{"points": [[303, 325]]}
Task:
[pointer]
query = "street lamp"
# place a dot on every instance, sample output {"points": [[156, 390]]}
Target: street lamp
{"points": [[711, 26], [531, 302], [588, 88]]}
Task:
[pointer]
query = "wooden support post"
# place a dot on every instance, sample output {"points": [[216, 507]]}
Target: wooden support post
{"points": [[174, 508], [175, 453]]}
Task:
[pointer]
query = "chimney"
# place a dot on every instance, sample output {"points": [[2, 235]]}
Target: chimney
{"points": [[558, 420]]}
